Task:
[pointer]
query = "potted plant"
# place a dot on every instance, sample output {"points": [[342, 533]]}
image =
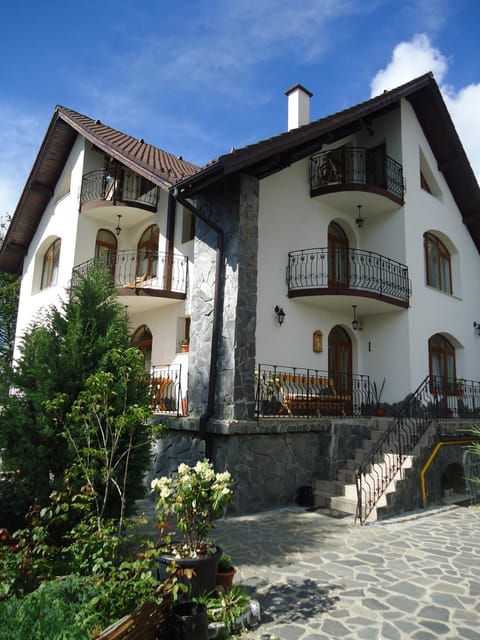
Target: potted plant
{"points": [[192, 498], [184, 345], [377, 394], [460, 387], [225, 571]]}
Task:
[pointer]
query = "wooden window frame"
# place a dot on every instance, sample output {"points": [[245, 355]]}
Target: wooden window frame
{"points": [[430, 242], [50, 265]]}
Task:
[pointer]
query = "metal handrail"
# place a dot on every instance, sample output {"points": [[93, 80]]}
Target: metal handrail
{"points": [[361, 270], [309, 393], [141, 269], [356, 166], [436, 398], [118, 184]]}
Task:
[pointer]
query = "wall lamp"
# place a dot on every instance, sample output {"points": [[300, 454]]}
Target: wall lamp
{"points": [[280, 314], [354, 321], [476, 326], [118, 228], [359, 219]]}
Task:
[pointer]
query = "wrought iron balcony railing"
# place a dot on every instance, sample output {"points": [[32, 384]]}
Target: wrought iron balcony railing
{"points": [[118, 185], [310, 393], [322, 271], [356, 166], [141, 270]]}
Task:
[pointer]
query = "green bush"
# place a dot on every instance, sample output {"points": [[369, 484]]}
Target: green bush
{"points": [[57, 610]]}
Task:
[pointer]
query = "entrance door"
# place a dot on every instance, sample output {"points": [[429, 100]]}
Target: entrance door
{"points": [[376, 166], [340, 364], [338, 271]]}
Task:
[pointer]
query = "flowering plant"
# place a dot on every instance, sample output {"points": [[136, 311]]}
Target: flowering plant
{"points": [[194, 496]]}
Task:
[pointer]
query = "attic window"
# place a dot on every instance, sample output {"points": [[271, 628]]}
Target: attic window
{"points": [[428, 181]]}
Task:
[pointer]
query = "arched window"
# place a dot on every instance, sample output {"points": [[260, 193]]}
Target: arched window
{"points": [[147, 250], [142, 339], [51, 261], [437, 263], [338, 272], [441, 355]]}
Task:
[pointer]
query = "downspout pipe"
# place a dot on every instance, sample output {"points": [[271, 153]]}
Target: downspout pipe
{"points": [[217, 316]]}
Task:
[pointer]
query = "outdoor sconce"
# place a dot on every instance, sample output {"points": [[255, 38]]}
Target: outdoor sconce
{"points": [[354, 321], [359, 220], [280, 314], [118, 228], [476, 326]]}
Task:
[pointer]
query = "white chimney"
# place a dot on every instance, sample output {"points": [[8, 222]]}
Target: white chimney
{"points": [[298, 106]]}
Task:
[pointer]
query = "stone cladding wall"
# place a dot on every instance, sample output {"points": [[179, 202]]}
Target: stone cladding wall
{"points": [[269, 461]]}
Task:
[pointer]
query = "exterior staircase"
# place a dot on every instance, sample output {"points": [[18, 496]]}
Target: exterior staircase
{"points": [[368, 485], [340, 495]]}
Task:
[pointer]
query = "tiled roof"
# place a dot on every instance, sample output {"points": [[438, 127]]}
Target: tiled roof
{"points": [[160, 165], [266, 157]]}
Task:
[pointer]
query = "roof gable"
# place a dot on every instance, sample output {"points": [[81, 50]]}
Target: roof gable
{"points": [[266, 157], [158, 166]]}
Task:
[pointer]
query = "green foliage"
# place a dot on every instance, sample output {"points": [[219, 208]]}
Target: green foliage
{"points": [[57, 610], [58, 355], [226, 606], [194, 496], [14, 501], [225, 564]]}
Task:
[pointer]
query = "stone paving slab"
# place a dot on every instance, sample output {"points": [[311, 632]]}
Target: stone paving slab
{"points": [[316, 577]]}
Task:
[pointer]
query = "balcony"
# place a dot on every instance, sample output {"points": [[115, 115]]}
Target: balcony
{"points": [[150, 273], [117, 186], [320, 272], [357, 169]]}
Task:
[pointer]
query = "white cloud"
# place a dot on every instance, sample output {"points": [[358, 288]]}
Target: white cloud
{"points": [[419, 56], [409, 60]]}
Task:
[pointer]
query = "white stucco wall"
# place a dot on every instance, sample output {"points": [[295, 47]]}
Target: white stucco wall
{"points": [[393, 343], [78, 234]]}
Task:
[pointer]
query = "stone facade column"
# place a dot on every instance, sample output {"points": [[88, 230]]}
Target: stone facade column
{"points": [[233, 206]]}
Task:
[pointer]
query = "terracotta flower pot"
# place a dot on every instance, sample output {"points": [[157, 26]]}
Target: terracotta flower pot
{"points": [[225, 578]]}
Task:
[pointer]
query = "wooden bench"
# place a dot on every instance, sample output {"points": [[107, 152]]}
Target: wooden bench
{"points": [[143, 624], [308, 395]]}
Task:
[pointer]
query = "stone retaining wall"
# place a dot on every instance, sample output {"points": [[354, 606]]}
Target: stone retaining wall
{"points": [[269, 460]]}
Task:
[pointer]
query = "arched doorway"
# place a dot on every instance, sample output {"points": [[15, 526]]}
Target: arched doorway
{"points": [[142, 339], [340, 362], [106, 250], [147, 253], [338, 271]]}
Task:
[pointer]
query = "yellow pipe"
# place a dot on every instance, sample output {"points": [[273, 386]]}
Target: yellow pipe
{"points": [[430, 460]]}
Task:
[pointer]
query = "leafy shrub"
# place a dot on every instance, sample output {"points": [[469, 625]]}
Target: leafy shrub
{"points": [[57, 610]]}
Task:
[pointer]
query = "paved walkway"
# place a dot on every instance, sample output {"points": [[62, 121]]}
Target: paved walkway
{"points": [[316, 577]]}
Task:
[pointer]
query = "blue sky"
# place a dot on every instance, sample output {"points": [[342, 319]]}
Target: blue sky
{"points": [[199, 77]]}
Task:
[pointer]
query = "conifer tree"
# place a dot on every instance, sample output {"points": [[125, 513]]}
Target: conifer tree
{"points": [[57, 355]]}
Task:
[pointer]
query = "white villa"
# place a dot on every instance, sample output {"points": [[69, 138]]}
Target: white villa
{"points": [[307, 272]]}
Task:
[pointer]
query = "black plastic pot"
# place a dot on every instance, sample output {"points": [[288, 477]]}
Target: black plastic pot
{"points": [[203, 580], [189, 621]]}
